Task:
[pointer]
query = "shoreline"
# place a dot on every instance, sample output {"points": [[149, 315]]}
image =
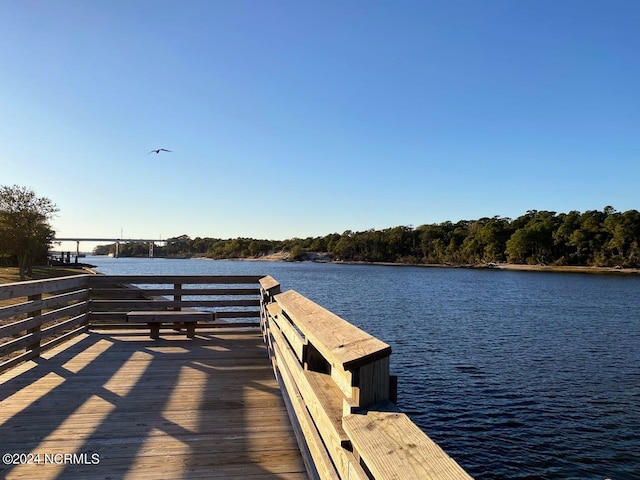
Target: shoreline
{"points": [[513, 267], [284, 257], [497, 266], [566, 269]]}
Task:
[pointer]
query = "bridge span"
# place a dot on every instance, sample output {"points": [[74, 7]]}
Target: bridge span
{"points": [[117, 241]]}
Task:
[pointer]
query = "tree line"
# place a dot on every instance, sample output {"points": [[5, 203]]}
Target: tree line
{"points": [[591, 238]]}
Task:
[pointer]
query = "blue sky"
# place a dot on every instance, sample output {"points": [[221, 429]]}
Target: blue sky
{"points": [[298, 118]]}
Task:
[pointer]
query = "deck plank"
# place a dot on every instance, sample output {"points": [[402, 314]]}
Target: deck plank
{"points": [[209, 407]]}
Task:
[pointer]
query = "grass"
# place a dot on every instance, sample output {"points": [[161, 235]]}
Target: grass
{"points": [[12, 274]]}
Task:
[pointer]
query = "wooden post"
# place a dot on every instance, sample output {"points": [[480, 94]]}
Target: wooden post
{"points": [[177, 297], [35, 346], [191, 329], [269, 287], [155, 330]]}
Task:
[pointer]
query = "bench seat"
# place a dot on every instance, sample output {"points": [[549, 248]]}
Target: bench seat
{"points": [[155, 318]]}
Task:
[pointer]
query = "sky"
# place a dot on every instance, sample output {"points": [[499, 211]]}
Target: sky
{"points": [[299, 118]]}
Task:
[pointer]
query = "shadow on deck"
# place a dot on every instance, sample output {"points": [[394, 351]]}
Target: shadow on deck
{"points": [[130, 407]]}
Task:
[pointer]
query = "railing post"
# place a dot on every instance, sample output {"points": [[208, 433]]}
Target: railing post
{"points": [[269, 287], [177, 297], [35, 346]]}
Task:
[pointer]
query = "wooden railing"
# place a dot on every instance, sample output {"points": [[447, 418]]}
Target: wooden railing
{"points": [[336, 383], [231, 298], [334, 377], [39, 314]]}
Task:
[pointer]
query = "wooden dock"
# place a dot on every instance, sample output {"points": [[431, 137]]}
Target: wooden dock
{"points": [[99, 380], [131, 407]]}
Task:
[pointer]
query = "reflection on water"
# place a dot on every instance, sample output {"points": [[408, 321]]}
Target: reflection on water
{"points": [[515, 374]]}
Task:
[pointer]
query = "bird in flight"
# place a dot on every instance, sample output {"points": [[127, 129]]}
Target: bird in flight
{"points": [[159, 150]]}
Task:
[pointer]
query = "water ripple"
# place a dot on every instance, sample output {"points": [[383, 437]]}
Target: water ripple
{"points": [[516, 375]]}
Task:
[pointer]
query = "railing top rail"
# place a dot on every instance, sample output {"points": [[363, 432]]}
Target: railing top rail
{"points": [[339, 341], [182, 279], [34, 287]]}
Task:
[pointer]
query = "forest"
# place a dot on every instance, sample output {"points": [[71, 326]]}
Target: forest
{"points": [[590, 238]]}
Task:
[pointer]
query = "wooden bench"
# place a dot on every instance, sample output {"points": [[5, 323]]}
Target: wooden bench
{"points": [[155, 318]]}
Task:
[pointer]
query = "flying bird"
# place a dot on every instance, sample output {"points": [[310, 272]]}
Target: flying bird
{"points": [[159, 150]]}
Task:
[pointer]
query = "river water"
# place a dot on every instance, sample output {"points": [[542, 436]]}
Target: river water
{"points": [[517, 375]]}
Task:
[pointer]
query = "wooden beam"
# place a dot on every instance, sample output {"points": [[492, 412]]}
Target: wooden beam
{"points": [[170, 292], [321, 459], [16, 360], [294, 338], [59, 327], [168, 316], [340, 342], [394, 448], [43, 304], [269, 284], [34, 287], [97, 280], [19, 343], [150, 304]]}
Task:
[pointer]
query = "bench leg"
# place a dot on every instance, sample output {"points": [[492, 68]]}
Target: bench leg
{"points": [[191, 329], [155, 330]]}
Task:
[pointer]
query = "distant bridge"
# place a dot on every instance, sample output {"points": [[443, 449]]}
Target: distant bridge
{"points": [[117, 241]]}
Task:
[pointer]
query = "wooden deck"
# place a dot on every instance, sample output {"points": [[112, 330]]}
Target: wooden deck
{"points": [[128, 407], [83, 396]]}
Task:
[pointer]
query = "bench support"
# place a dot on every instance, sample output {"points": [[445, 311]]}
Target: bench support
{"points": [[155, 318]]}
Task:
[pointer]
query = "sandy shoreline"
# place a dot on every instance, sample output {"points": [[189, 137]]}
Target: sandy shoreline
{"points": [[283, 256], [568, 269], [516, 267]]}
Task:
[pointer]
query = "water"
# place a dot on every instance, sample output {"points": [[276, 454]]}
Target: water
{"points": [[517, 375]]}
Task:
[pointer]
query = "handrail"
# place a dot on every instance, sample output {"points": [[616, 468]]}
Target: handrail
{"points": [[40, 315], [228, 296], [335, 379]]}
